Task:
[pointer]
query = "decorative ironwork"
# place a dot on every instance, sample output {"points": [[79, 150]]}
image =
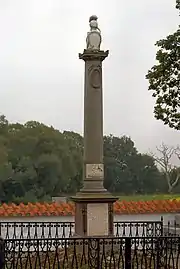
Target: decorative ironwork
{"points": [[111, 216], [138, 228], [33, 230], [94, 253], [171, 229], [84, 214]]}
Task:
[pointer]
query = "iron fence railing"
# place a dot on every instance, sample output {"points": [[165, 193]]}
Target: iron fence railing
{"points": [[91, 253], [34, 230], [138, 228]]}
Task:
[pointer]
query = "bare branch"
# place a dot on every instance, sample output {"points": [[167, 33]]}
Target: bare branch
{"points": [[177, 152], [176, 180], [157, 159], [163, 158]]}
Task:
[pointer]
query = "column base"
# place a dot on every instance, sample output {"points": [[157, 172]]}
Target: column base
{"points": [[94, 185], [94, 214]]}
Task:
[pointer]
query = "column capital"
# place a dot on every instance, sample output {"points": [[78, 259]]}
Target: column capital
{"points": [[90, 55]]}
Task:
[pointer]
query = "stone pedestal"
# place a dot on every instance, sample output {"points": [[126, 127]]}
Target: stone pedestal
{"points": [[94, 214], [93, 204]]}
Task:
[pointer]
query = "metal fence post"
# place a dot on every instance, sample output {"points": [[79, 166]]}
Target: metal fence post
{"points": [[128, 253], [158, 253], [98, 254], [162, 226], [2, 252]]}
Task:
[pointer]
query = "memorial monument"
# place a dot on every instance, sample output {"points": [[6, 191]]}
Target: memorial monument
{"points": [[93, 204]]}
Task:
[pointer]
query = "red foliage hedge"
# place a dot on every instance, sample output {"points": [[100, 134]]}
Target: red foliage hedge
{"points": [[65, 209]]}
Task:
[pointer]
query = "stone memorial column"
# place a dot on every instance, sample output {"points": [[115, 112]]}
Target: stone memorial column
{"points": [[93, 204]]}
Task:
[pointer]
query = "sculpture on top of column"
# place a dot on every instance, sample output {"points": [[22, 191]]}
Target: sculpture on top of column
{"points": [[93, 39]]}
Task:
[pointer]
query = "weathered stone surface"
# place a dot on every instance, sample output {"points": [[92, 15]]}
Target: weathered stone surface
{"points": [[97, 219]]}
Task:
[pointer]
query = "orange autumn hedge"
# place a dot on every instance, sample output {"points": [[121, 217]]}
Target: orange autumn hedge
{"points": [[65, 209]]}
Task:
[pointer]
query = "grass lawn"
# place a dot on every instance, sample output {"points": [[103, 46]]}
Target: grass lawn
{"points": [[148, 197]]}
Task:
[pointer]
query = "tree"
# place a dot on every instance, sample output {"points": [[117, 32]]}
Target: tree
{"points": [[117, 152], [126, 170], [146, 176], [178, 4], [164, 79], [38, 162], [164, 159]]}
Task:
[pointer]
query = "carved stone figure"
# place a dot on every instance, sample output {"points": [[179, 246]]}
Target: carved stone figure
{"points": [[93, 39]]}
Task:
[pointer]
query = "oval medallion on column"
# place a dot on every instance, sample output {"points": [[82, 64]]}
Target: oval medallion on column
{"points": [[95, 78]]}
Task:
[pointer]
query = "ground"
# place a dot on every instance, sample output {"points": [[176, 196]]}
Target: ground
{"points": [[148, 197]]}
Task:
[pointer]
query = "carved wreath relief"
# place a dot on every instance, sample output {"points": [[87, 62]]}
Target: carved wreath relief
{"points": [[95, 76], [94, 170]]}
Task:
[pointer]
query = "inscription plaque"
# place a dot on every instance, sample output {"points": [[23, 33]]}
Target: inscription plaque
{"points": [[97, 219]]}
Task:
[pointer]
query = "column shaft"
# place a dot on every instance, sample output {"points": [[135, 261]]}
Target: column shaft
{"points": [[93, 168]]}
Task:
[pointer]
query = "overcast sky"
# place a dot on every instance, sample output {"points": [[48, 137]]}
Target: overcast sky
{"points": [[41, 77]]}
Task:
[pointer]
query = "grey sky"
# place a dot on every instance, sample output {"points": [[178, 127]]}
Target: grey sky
{"points": [[41, 77]]}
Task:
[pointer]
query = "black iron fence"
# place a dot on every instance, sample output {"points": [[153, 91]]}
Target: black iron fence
{"points": [[34, 230], [171, 229], [91, 253], [138, 228]]}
